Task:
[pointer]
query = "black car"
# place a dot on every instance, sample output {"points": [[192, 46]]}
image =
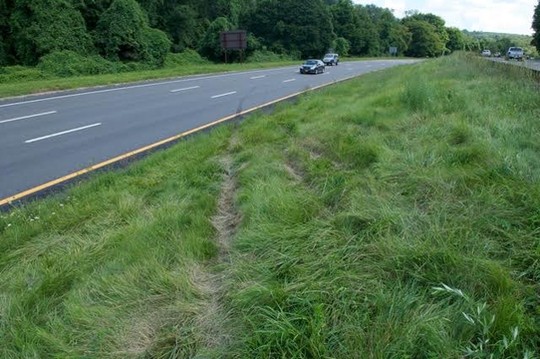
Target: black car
{"points": [[312, 67]]}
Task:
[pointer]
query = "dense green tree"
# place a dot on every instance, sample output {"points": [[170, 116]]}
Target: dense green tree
{"points": [[502, 44], [369, 44], [471, 44], [346, 23], [456, 39], [3, 52], [498, 44], [122, 33], [210, 45], [155, 46], [119, 30], [154, 10], [91, 10], [436, 21], [128, 30], [342, 46], [232, 9], [43, 26], [185, 27], [391, 32], [291, 26], [398, 35], [425, 41], [184, 21], [536, 27], [354, 24], [474, 44], [5, 9]]}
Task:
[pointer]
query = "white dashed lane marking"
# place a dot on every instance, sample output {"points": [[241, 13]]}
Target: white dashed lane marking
{"points": [[62, 133], [27, 117], [185, 89], [224, 94]]}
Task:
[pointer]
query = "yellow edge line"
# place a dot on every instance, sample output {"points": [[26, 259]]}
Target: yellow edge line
{"points": [[72, 175]]}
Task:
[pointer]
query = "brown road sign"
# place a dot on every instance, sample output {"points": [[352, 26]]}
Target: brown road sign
{"points": [[233, 40]]}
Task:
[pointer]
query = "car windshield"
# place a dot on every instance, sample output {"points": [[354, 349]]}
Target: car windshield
{"points": [[311, 62], [329, 55]]}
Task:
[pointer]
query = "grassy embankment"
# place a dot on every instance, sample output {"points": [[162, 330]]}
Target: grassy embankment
{"points": [[393, 216]]}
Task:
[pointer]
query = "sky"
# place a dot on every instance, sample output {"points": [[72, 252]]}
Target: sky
{"points": [[504, 16]]}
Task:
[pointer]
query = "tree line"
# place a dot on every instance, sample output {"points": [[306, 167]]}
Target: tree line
{"points": [[536, 27], [147, 30]]}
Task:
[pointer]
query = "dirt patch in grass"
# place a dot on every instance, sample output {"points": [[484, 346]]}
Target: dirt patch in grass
{"points": [[227, 217]]}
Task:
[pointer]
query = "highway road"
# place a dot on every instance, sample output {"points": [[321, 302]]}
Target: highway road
{"points": [[45, 139]]}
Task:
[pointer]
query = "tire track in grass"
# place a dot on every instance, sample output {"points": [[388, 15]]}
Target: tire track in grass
{"points": [[213, 319], [227, 218]]}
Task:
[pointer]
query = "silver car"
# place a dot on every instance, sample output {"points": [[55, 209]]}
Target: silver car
{"points": [[515, 53], [331, 59]]}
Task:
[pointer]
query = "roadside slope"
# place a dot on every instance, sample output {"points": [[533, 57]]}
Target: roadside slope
{"points": [[395, 215]]}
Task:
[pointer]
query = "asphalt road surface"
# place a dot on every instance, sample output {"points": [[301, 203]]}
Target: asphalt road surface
{"points": [[533, 64], [44, 138]]}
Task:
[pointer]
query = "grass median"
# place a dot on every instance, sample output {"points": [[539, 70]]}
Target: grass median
{"points": [[395, 215]]}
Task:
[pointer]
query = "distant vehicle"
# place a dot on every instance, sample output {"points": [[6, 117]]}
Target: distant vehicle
{"points": [[312, 66], [331, 59], [486, 53], [515, 53], [497, 54]]}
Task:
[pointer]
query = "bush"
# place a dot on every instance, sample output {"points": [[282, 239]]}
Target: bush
{"points": [[123, 33], [3, 53], [155, 46], [268, 56], [186, 57], [210, 45], [133, 66], [119, 30], [40, 27], [68, 63], [20, 73], [342, 46]]}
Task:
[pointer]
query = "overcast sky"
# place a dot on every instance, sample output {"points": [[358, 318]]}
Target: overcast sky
{"points": [[506, 16]]}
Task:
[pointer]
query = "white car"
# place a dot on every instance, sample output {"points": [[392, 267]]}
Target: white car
{"points": [[486, 53], [515, 53], [331, 59]]}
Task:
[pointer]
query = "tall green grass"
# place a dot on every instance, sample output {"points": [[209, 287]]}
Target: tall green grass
{"points": [[393, 216], [106, 270]]}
